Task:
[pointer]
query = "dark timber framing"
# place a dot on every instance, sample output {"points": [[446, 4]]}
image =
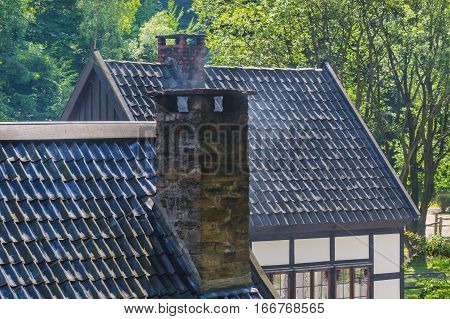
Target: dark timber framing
{"points": [[319, 230]]}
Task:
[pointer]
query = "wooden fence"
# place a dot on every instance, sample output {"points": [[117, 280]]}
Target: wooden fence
{"points": [[438, 224]]}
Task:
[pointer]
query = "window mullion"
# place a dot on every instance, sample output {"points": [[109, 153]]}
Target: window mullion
{"points": [[292, 291], [352, 283]]}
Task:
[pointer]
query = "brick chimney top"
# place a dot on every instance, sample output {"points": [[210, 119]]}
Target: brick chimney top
{"points": [[186, 52]]}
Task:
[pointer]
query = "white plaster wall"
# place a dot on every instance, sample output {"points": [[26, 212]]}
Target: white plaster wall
{"points": [[311, 250], [387, 289], [352, 247], [386, 253], [269, 253]]}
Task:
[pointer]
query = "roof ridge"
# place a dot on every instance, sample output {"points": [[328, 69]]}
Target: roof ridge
{"points": [[263, 68], [136, 62], [220, 66]]}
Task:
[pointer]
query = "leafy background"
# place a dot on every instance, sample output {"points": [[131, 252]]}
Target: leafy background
{"points": [[392, 57]]}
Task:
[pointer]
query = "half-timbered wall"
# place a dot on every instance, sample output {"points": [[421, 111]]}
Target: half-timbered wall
{"points": [[379, 250], [95, 103]]}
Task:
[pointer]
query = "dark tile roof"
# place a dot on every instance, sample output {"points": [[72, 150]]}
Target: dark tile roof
{"points": [[311, 159], [136, 80], [77, 221]]}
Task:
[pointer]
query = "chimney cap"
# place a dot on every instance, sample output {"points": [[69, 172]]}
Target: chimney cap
{"points": [[177, 35]]}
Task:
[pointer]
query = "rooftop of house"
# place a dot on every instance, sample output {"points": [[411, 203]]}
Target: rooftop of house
{"points": [[78, 219], [313, 161]]}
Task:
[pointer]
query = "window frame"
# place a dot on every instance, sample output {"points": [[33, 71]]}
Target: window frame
{"points": [[352, 279], [285, 272], [312, 283], [332, 278]]}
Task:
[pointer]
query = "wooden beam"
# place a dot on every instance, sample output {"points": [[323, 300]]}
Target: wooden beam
{"points": [[262, 276], [322, 230], [25, 131]]}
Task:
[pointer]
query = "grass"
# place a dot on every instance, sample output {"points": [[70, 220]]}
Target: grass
{"points": [[431, 268]]}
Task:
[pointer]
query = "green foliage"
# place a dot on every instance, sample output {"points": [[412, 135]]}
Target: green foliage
{"points": [[420, 272], [144, 47], [439, 263], [434, 289], [107, 22], [443, 175], [147, 9], [392, 57], [184, 5], [443, 183], [33, 85], [436, 246], [56, 27], [444, 201]]}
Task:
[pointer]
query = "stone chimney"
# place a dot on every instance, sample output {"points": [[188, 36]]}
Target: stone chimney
{"points": [[187, 54], [203, 179]]}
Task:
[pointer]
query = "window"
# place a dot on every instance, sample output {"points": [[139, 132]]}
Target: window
{"points": [[312, 284], [352, 283], [343, 283], [361, 282], [303, 285], [308, 284], [281, 283], [321, 285]]}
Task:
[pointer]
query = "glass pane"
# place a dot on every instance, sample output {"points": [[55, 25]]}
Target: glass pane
{"points": [[303, 285], [276, 280], [281, 284], [321, 284], [361, 283], [284, 281], [284, 294], [343, 283]]}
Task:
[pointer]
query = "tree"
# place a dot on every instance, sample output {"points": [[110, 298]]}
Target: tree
{"points": [[32, 84], [147, 10], [144, 47], [55, 27], [106, 24], [184, 5], [392, 57], [416, 41]]}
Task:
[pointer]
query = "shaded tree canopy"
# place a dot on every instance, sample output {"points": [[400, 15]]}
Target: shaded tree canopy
{"points": [[392, 57]]}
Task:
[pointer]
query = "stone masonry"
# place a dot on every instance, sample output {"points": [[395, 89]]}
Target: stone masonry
{"points": [[203, 182]]}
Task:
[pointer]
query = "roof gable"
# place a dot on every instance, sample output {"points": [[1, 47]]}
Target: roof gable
{"points": [[96, 70]]}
